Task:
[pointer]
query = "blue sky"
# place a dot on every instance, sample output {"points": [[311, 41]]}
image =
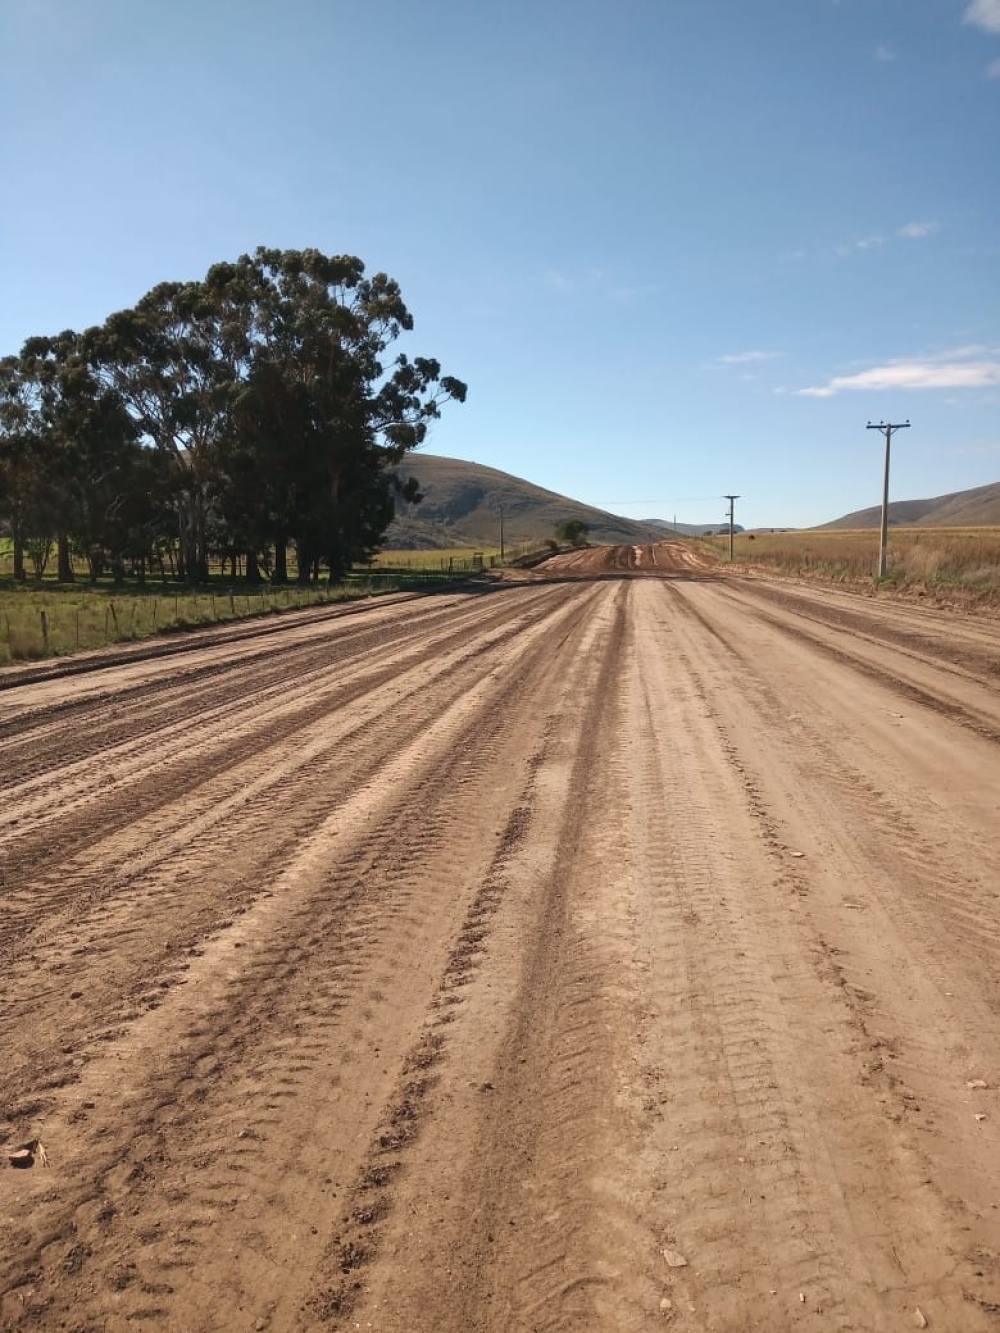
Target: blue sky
{"points": [[675, 249]]}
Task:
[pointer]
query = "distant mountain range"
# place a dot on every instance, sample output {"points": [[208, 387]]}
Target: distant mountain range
{"points": [[462, 504], [961, 509], [463, 501]]}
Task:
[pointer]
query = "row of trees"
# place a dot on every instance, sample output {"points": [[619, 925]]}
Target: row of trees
{"points": [[250, 412]]}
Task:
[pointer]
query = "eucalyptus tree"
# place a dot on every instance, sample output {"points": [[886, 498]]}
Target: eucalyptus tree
{"points": [[266, 397], [169, 362], [33, 480], [86, 453], [17, 448], [319, 407]]}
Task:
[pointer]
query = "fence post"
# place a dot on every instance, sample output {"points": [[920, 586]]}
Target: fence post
{"points": [[45, 630]]}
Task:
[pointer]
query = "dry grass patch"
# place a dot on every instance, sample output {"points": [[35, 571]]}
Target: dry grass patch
{"points": [[955, 564]]}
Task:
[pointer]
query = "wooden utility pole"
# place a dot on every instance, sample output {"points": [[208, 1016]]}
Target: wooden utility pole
{"points": [[886, 427], [732, 505]]}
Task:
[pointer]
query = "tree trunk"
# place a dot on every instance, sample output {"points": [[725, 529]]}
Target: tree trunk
{"points": [[17, 538], [280, 560], [65, 564], [305, 564], [253, 568]]}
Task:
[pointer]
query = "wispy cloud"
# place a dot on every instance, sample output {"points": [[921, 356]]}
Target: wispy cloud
{"points": [[594, 281], [747, 358], [993, 69], [847, 248], [910, 231], [885, 55], [947, 371], [983, 14], [915, 231]]}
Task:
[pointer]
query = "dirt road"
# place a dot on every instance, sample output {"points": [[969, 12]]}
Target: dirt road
{"points": [[611, 950]]}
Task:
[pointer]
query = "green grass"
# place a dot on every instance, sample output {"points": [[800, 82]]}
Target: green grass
{"points": [[458, 560], [40, 619], [46, 619]]}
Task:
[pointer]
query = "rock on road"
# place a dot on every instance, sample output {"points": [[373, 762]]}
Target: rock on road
{"points": [[614, 948]]}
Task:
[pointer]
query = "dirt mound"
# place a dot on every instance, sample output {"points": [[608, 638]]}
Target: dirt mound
{"points": [[658, 559]]}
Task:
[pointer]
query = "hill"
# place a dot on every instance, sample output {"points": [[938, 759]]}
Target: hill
{"points": [[689, 529], [979, 507], [462, 503]]}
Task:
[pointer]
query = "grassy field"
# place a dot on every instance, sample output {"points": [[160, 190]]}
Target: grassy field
{"points": [[962, 561], [46, 619]]}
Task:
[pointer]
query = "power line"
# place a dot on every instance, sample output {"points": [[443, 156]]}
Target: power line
{"points": [[670, 500]]}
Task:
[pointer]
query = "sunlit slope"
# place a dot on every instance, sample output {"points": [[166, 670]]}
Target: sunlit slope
{"points": [[462, 504], [974, 508]]}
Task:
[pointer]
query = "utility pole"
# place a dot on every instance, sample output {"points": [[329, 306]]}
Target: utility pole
{"points": [[886, 428], [732, 505]]}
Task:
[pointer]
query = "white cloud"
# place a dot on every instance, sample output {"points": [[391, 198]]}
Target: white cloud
{"points": [[929, 373], [993, 69], [984, 14], [863, 243], [885, 55], [747, 358], [914, 231], [594, 281]]}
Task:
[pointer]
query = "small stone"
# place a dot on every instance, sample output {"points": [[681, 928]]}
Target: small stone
{"points": [[919, 1318], [976, 1083], [980, 1117], [675, 1259]]}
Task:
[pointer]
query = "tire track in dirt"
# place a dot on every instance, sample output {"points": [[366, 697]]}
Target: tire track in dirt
{"points": [[620, 980], [966, 647], [887, 829], [229, 752], [329, 918], [734, 1148], [203, 681], [147, 878], [866, 849], [499, 1224]]}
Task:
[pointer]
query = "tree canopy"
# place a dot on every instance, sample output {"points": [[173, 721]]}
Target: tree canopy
{"points": [[261, 407], [573, 530]]}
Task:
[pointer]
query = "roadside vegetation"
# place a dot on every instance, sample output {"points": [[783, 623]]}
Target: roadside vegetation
{"points": [[954, 564], [253, 420], [42, 618]]}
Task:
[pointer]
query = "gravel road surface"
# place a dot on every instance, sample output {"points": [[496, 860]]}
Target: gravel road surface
{"points": [[610, 947]]}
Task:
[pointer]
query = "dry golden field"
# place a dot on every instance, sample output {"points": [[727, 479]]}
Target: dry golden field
{"points": [[955, 564]]}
